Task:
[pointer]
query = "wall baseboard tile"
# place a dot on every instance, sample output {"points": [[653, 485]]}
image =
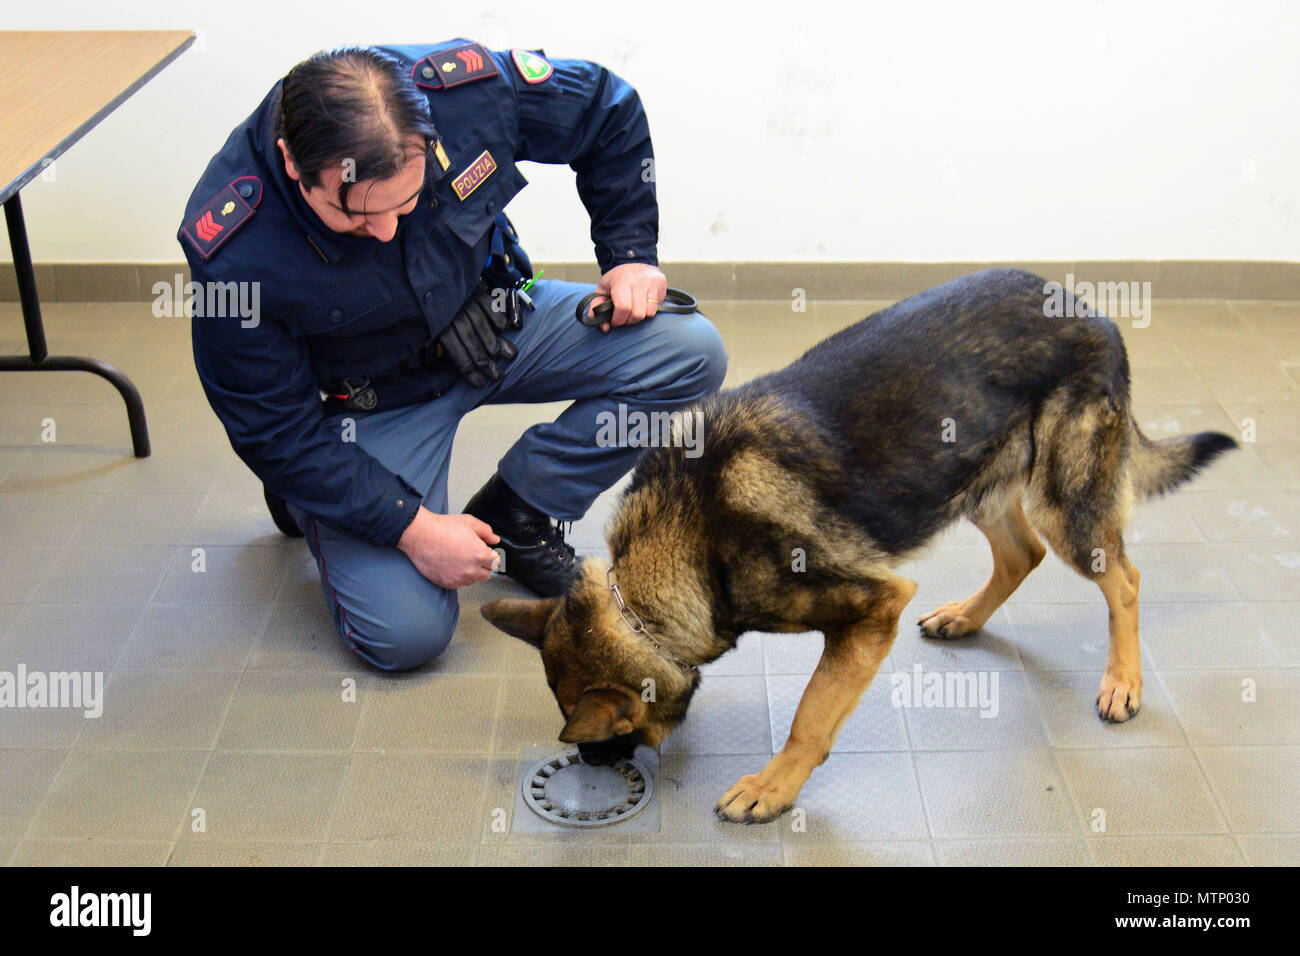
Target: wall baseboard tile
{"points": [[820, 281]]}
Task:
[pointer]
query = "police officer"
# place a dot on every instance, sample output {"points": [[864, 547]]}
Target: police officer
{"points": [[361, 206]]}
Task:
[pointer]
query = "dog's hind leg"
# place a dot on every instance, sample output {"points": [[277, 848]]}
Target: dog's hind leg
{"points": [[1079, 501], [1120, 693], [849, 661], [1016, 551]]}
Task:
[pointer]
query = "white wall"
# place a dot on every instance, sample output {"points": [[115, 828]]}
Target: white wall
{"points": [[897, 131]]}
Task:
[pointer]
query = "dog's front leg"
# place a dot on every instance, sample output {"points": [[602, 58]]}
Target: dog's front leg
{"points": [[849, 661]]}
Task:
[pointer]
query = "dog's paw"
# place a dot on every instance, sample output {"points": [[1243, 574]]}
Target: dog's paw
{"points": [[755, 799], [950, 620], [1118, 698]]}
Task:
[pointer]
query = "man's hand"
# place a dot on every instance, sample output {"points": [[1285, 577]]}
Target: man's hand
{"points": [[450, 550], [636, 289]]}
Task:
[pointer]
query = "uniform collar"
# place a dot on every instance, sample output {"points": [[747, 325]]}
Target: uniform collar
{"points": [[330, 244]]}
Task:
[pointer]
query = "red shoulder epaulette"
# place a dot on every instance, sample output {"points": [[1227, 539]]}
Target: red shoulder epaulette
{"points": [[454, 66], [218, 218]]}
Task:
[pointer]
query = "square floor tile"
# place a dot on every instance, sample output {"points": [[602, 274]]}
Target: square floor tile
{"points": [[1182, 572], [399, 854], [222, 575], [119, 795], [969, 710], [1071, 851], [273, 710], [1141, 790], [884, 853], [271, 798], [1246, 515], [214, 637], [1271, 849], [1261, 572], [854, 798], [434, 713], [1191, 636], [563, 854], [160, 710], [138, 518], [22, 567], [1258, 787], [709, 854], [414, 798], [33, 518], [529, 716], [104, 575], [744, 659], [77, 637], [91, 852], [27, 776], [792, 653], [728, 715], [1279, 621], [1010, 793], [1253, 706], [1166, 851], [189, 853]]}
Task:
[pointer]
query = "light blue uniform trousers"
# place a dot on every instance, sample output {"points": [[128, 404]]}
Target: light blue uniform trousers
{"points": [[383, 608]]}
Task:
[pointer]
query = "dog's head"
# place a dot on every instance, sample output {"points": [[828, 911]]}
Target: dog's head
{"points": [[610, 683]]}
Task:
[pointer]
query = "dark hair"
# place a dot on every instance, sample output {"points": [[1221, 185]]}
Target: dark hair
{"points": [[351, 103]]}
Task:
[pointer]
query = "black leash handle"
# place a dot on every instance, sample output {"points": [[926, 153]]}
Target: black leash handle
{"points": [[676, 302]]}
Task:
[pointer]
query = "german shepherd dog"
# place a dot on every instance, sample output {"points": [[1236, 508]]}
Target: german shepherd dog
{"points": [[975, 399]]}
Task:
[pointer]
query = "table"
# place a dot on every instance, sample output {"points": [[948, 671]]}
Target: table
{"points": [[56, 87]]}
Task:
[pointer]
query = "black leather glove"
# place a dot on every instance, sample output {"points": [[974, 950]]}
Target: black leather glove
{"points": [[473, 341]]}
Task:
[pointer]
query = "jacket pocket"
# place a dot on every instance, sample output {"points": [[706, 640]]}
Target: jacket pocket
{"points": [[472, 220], [360, 307]]}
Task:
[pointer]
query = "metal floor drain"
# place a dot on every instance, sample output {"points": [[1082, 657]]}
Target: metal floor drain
{"points": [[568, 790]]}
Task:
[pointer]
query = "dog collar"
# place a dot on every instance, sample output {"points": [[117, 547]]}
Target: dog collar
{"points": [[633, 621]]}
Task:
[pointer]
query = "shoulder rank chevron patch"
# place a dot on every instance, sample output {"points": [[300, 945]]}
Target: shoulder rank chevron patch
{"points": [[448, 68], [218, 218]]}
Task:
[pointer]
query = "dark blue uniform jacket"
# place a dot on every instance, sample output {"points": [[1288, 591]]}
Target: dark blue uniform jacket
{"points": [[332, 306]]}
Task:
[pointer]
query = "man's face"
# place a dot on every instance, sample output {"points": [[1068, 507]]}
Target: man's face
{"points": [[374, 204]]}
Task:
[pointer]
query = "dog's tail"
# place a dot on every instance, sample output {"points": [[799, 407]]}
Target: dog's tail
{"points": [[1156, 467]]}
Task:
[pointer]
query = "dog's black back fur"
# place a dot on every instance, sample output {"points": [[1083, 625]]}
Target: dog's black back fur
{"points": [[970, 361]]}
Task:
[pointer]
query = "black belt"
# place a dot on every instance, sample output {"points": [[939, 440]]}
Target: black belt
{"points": [[420, 380], [676, 302]]}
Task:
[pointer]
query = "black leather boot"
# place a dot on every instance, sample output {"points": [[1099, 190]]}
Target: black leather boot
{"points": [[280, 514], [537, 555]]}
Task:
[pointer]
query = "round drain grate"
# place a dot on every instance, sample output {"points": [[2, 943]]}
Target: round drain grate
{"points": [[568, 790]]}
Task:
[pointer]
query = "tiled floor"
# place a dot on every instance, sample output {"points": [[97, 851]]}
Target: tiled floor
{"points": [[229, 735]]}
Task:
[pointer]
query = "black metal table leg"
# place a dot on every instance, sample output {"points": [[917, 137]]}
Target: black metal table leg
{"points": [[38, 358]]}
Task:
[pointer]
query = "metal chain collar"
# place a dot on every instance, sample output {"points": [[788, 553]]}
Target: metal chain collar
{"points": [[633, 621]]}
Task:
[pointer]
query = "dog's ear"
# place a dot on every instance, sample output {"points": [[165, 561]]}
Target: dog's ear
{"points": [[601, 713], [521, 618]]}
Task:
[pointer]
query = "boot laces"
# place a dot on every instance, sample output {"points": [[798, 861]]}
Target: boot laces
{"points": [[557, 546]]}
